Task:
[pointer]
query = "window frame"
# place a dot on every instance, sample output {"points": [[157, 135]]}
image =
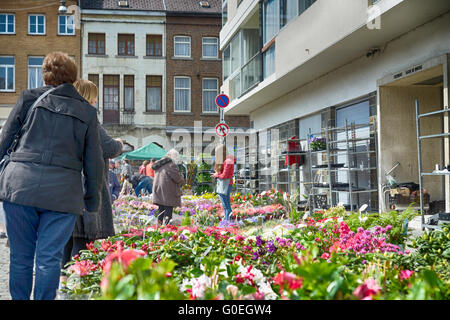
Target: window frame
{"points": [[105, 86], [66, 24], [203, 95], [37, 24], [97, 41], [127, 36], [6, 23], [153, 36], [95, 78], [160, 93], [125, 109], [6, 66], [175, 43], [34, 66], [217, 51], [174, 94]]}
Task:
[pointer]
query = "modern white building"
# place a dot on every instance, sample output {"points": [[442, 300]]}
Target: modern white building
{"points": [[297, 65], [123, 52]]}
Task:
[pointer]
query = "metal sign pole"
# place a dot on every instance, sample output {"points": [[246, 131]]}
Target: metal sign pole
{"points": [[222, 120]]}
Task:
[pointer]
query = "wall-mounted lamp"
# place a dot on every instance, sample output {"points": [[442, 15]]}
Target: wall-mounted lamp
{"points": [[62, 8]]}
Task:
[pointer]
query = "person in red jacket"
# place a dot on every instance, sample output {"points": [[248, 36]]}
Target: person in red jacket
{"points": [[224, 169]]}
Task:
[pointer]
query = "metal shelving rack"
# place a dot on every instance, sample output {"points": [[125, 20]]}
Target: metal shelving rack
{"points": [[332, 168], [442, 217], [248, 183]]}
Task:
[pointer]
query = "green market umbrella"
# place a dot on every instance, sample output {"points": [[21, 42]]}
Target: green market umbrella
{"points": [[150, 151]]}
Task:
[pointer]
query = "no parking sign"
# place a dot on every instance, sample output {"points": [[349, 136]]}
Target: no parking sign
{"points": [[222, 100], [222, 130]]}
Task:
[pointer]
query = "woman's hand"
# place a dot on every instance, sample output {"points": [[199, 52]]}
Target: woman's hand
{"points": [[120, 140]]}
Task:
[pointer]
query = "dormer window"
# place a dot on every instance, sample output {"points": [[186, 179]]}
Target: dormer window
{"points": [[204, 4], [123, 4]]}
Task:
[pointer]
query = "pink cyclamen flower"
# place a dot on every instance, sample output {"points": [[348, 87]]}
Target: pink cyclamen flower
{"points": [[368, 289], [83, 267], [325, 256], [405, 274]]}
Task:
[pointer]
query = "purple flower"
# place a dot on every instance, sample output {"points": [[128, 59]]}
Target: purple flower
{"points": [[388, 227], [183, 237], [259, 241], [270, 247]]}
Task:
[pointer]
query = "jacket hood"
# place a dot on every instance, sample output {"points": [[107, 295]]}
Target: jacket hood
{"points": [[158, 164]]}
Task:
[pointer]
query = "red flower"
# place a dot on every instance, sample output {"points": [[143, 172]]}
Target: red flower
{"points": [[325, 256], [83, 268], [124, 257], [286, 278], [405, 274], [368, 289], [90, 245]]}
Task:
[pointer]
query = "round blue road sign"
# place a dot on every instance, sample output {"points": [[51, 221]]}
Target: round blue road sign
{"points": [[222, 100]]}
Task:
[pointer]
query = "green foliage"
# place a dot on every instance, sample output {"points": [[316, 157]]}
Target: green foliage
{"points": [[187, 221], [142, 281]]}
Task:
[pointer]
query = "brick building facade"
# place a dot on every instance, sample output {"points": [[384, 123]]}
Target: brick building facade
{"points": [[29, 30], [196, 67]]}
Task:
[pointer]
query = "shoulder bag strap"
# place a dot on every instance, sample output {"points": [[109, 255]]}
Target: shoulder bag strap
{"points": [[27, 117]]}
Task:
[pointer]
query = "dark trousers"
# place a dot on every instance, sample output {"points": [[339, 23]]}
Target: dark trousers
{"points": [[164, 214], [72, 248]]}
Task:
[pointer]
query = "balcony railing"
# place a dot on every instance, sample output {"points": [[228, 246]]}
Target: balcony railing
{"points": [[247, 77]]}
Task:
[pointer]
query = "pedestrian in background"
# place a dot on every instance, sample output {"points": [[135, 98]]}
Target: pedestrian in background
{"points": [[224, 170], [149, 169], [118, 170], [114, 184], [90, 227], [126, 169], [127, 187], [167, 186], [41, 185], [142, 168]]}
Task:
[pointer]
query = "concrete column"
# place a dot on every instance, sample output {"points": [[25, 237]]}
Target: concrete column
{"points": [[446, 100]]}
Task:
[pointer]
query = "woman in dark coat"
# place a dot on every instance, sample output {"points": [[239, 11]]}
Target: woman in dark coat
{"points": [[167, 186], [90, 227], [41, 185]]}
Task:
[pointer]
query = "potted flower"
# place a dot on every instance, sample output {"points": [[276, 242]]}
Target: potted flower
{"points": [[317, 144]]}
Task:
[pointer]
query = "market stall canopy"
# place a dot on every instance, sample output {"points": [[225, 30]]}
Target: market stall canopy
{"points": [[147, 152]]}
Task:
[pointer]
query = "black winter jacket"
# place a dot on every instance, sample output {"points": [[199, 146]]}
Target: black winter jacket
{"points": [[102, 222], [59, 142]]}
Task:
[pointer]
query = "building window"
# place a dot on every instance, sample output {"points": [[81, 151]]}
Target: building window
{"points": [[154, 45], [7, 24], [35, 72], [210, 91], [154, 93], [111, 92], [269, 61], [304, 4], [96, 43], [128, 91], [210, 47], [7, 70], [289, 10], [224, 12], [95, 79], [182, 46], [271, 19], [66, 25], [36, 24], [182, 94], [126, 44]]}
